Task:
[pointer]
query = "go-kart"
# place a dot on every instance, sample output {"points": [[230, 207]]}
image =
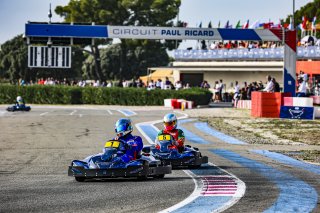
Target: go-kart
{"points": [[18, 108], [166, 151], [108, 165]]}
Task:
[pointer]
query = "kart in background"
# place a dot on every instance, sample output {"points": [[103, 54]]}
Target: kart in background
{"points": [[106, 165], [166, 151], [18, 108]]}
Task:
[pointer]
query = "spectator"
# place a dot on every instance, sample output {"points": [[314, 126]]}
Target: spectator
{"points": [[120, 83], [151, 85], [236, 95], [178, 85], [140, 83], [302, 90], [96, 83], [109, 84], [159, 84], [205, 85], [276, 87], [187, 86], [269, 87], [249, 90], [216, 91], [221, 90], [167, 84]]}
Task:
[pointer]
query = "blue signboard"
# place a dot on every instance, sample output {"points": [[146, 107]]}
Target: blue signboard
{"points": [[292, 112], [66, 30]]}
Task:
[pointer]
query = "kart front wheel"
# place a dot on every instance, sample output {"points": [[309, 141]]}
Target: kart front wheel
{"points": [[80, 179], [194, 167]]}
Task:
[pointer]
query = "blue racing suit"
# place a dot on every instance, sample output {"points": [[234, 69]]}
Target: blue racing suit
{"points": [[134, 147]]}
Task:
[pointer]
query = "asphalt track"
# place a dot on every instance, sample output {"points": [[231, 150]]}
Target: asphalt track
{"points": [[36, 148]]}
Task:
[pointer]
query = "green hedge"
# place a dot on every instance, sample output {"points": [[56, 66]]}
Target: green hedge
{"points": [[39, 94]]}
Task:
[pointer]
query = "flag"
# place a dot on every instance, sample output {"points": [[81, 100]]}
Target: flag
{"points": [[279, 25], [238, 26], [255, 25], [304, 23], [210, 25], [246, 25], [227, 24], [268, 25], [314, 22]]}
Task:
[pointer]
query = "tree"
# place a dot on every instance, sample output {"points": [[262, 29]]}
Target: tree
{"points": [[13, 59], [124, 12]]}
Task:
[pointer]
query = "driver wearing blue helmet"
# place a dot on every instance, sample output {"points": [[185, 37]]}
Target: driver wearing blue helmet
{"points": [[123, 129]]}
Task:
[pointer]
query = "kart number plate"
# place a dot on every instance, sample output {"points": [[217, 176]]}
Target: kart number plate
{"points": [[164, 137], [114, 144]]}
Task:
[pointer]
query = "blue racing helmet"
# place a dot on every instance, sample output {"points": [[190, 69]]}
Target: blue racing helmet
{"points": [[123, 127]]}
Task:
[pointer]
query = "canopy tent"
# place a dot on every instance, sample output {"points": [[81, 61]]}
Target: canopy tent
{"points": [[158, 74]]}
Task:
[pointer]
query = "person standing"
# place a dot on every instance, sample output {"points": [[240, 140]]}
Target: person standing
{"points": [[270, 85]]}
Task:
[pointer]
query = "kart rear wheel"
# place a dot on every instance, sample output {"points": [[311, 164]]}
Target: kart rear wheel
{"points": [[80, 179], [144, 177], [159, 176]]}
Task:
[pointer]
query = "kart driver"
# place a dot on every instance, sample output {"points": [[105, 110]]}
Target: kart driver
{"points": [[123, 128], [20, 102], [170, 127]]}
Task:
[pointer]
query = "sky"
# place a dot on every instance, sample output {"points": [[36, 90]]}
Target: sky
{"points": [[15, 13]]}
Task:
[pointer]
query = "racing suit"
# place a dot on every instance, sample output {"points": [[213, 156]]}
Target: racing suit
{"points": [[20, 104], [134, 148], [178, 136]]}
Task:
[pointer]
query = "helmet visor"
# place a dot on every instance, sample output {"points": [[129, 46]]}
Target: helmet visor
{"points": [[169, 123], [121, 128]]}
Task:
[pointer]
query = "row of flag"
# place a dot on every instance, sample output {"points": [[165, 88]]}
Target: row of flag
{"points": [[304, 26]]}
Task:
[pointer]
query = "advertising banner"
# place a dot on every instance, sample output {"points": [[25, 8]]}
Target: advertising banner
{"points": [[292, 112]]}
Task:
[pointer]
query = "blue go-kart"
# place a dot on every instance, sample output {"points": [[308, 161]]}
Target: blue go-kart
{"points": [[107, 165], [17, 107], [190, 157]]}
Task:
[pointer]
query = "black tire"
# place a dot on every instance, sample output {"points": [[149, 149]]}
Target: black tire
{"points": [[142, 178], [80, 179], [194, 166], [159, 176]]}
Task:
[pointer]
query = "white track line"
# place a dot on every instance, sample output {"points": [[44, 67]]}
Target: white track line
{"points": [[197, 181], [42, 114], [109, 111], [127, 112], [74, 111]]}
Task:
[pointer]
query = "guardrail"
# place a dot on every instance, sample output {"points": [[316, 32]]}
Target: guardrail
{"points": [[244, 53]]}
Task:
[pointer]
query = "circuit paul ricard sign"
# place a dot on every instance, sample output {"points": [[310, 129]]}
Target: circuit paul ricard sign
{"points": [[131, 32]]}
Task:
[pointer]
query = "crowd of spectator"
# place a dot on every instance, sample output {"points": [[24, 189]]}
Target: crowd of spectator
{"points": [[220, 94], [212, 45], [137, 83], [241, 44]]}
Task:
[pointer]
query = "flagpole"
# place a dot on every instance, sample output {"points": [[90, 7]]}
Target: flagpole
{"points": [[293, 9]]}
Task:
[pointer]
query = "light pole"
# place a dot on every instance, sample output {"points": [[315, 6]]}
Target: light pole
{"points": [[293, 9]]}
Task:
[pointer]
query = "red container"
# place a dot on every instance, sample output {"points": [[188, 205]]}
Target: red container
{"points": [[267, 104]]}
